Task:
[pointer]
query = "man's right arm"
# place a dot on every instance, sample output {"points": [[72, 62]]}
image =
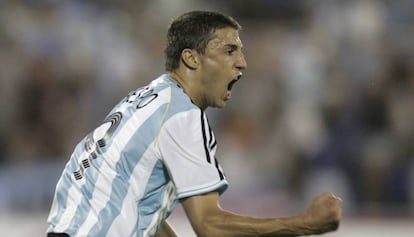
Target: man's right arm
{"points": [[208, 219]]}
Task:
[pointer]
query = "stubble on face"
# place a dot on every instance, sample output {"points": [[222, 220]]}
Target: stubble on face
{"points": [[218, 67]]}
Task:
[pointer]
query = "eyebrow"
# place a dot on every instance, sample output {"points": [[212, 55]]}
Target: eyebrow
{"points": [[233, 46]]}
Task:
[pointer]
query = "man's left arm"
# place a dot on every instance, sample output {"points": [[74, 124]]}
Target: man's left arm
{"points": [[166, 231]]}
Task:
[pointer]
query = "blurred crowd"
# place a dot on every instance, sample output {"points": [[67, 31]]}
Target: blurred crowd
{"points": [[326, 103]]}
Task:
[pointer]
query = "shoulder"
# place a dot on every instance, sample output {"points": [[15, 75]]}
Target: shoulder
{"points": [[162, 97], [179, 103]]}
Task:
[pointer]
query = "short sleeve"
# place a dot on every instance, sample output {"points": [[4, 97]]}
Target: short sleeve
{"points": [[187, 146]]}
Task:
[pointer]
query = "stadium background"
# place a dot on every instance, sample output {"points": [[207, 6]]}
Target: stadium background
{"points": [[327, 102]]}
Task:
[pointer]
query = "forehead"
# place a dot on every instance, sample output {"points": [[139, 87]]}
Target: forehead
{"points": [[224, 37]]}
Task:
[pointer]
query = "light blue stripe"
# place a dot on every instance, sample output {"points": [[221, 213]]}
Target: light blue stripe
{"points": [[82, 210], [62, 189], [153, 198], [61, 198], [133, 151], [92, 174], [154, 194], [180, 102]]}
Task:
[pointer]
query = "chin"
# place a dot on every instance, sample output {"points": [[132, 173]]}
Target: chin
{"points": [[221, 105], [218, 104]]}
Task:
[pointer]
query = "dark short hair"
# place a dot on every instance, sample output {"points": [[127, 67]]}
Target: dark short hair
{"points": [[193, 30]]}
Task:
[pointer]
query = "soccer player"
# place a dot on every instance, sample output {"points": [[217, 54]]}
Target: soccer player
{"points": [[156, 149]]}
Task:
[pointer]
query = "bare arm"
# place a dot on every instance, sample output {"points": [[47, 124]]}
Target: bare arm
{"points": [[166, 231], [208, 219]]}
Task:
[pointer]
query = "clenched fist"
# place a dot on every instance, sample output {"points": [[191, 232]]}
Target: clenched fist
{"points": [[324, 213]]}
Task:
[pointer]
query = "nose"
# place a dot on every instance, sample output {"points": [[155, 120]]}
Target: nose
{"points": [[241, 62]]}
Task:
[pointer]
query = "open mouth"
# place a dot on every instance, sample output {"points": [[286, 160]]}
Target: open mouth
{"points": [[230, 85], [232, 82]]}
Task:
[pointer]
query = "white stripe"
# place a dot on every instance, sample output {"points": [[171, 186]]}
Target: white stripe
{"points": [[69, 213], [74, 198], [168, 200], [111, 157], [55, 206], [124, 224]]}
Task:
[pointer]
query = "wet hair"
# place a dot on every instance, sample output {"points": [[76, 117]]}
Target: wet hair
{"points": [[193, 30]]}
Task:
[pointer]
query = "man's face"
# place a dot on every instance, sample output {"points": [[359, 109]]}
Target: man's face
{"points": [[220, 67]]}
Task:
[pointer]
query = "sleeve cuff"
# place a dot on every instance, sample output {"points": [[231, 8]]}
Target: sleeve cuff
{"points": [[220, 187]]}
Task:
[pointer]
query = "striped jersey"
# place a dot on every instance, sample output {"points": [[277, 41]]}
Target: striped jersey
{"points": [[125, 177]]}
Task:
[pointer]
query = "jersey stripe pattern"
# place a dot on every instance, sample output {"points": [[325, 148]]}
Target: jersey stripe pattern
{"points": [[125, 177]]}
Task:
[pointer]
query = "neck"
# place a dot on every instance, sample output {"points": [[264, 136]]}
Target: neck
{"points": [[178, 79], [188, 87]]}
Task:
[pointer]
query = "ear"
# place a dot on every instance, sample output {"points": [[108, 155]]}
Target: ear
{"points": [[190, 58]]}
